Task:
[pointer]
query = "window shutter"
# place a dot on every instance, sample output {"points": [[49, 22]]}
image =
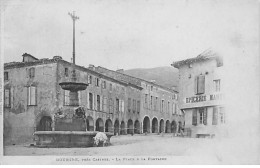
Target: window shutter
{"points": [[123, 106], [88, 102], [194, 117], [201, 87], [205, 116], [33, 95], [66, 97], [196, 85], [215, 116]]}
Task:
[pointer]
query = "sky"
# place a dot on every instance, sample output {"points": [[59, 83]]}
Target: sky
{"points": [[126, 34]]}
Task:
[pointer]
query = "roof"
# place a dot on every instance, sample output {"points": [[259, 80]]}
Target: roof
{"points": [[12, 65], [130, 79], [206, 55]]}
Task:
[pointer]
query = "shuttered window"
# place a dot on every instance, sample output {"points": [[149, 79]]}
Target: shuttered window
{"points": [[31, 96], [138, 106], [123, 106], [7, 98], [31, 72], [98, 103], [111, 105], [129, 104], [199, 84], [105, 104], [215, 116], [90, 101], [117, 105], [194, 117]]}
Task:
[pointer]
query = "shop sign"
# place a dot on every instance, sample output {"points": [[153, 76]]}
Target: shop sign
{"points": [[202, 98]]}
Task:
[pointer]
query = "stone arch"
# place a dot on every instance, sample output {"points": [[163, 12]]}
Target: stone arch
{"points": [[45, 124], [161, 129], [130, 127], [137, 127], [109, 126], [90, 123], [173, 127], [168, 127], [155, 125], [99, 125], [116, 127], [122, 128], [146, 125]]}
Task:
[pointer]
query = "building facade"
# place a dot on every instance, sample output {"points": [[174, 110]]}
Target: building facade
{"points": [[201, 94], [33, 98]]}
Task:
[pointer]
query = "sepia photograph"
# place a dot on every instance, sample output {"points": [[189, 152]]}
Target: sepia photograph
{"points": [[129, 82]]}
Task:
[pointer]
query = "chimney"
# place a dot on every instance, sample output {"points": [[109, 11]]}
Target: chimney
{"points": [[120, 70], [91, 66], [57, 57]]}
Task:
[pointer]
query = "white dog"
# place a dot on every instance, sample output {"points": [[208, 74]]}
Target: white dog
{"points": [[101, 138]]}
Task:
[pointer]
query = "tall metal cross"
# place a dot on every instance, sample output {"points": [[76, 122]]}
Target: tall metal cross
{"points": [[74, 18]]}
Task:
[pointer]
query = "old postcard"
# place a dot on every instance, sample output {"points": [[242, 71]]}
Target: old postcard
{"points": [[129, 82]]}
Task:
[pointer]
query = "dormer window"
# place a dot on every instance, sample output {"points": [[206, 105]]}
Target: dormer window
{"points": [[6, 76]]}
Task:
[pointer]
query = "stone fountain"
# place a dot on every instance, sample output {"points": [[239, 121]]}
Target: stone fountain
{"points": [[70, 130]]}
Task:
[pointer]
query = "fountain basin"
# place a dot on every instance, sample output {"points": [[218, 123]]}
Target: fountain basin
{"points": [[73, 86], [66, 138]]}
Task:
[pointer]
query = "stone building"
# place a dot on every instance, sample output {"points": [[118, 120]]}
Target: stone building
{"points": [[33, 97], [159, 110], [201, 94]]}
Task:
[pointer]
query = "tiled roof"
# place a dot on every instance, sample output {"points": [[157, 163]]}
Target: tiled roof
{"points": [[206, 55]]}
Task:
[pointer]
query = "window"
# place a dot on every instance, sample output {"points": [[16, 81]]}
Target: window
{"points": [[202, 116], [162, 106], [105, 104], [98, 103], [31, 96], [218, 115], [200, 84], [117, 105], [66, 97], [156, 102], [129, 104], [31, 72], [6, 76], [90, 101], [90, 79], [123, 106], [151, 102], [7, 98], [110, 87], [146, 100], [168, 108], [66, 72], [111, 106], [138, 106], [173, 108], [97, 82], [222, 115], [216, 85], [194, 117], [134, 105], [104, 85], [151, 88]]}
